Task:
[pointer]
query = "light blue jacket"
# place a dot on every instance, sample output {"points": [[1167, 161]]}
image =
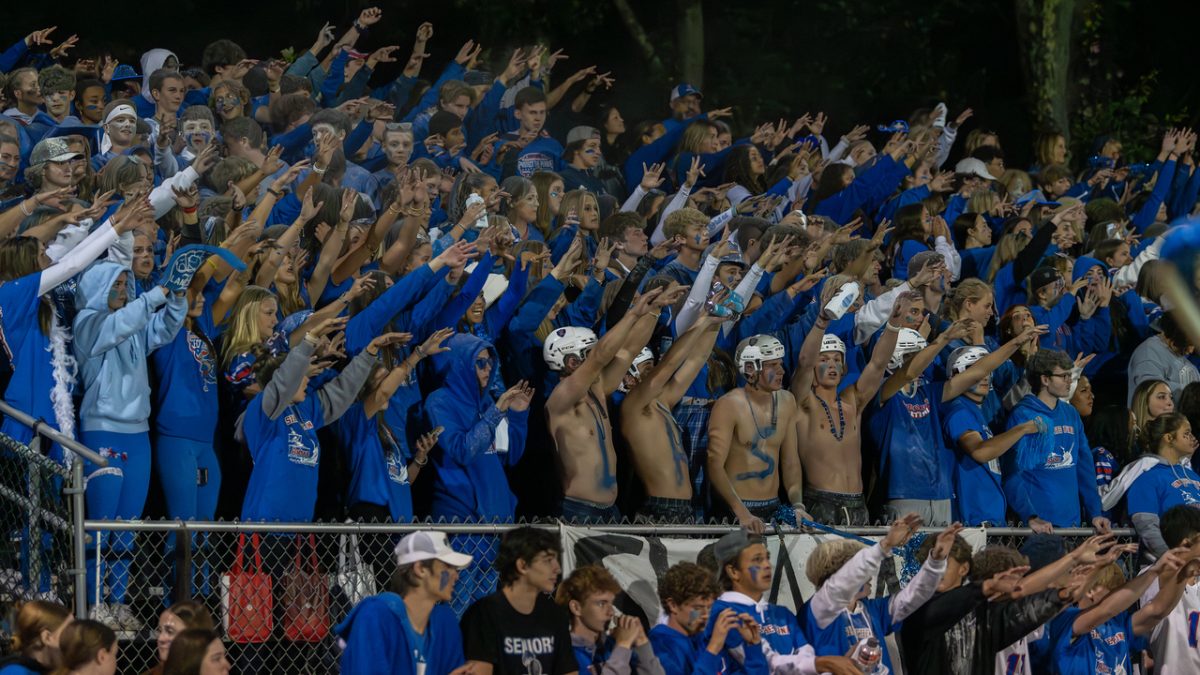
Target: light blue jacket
{"points": [[112, 348]]}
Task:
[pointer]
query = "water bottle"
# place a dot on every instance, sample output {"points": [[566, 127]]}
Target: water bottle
{"points": [[840, 303], [867, 655], [482, 221]]}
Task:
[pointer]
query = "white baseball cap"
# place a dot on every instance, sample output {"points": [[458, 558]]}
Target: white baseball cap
{"points": [[973, 167], [429, 545]]}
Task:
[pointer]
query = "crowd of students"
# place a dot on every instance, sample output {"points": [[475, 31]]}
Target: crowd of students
{"points": [[998, 610], [281, 291]]}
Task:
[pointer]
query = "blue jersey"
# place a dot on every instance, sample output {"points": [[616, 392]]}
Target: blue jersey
{"points": [[980, 497], [26, 347], [916, 462], [1163, 486], [872, 617], [1105, 649]]}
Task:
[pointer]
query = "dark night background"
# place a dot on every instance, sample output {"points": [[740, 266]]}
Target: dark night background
{"points": [[1132, 67]]}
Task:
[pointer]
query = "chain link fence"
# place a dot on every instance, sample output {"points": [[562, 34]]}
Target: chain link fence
{"points": [[36, 554], [276, 591]]}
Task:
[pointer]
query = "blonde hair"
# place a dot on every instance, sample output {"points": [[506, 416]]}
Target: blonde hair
{"points": [[243, 327], [967, 289], [828, 558], [574, 200], [34, 617], [695, 134], [542, 180], [982, 201], [678, 222], [1006, 251], [975, 140], [1110, 577], [1016, 181], [1043, 148], [1140, 404]]}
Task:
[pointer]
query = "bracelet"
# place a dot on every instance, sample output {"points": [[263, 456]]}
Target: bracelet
{"points": [[276, 193], [212, 262], [891, 328], [22, 205], [318, 170], [421, 462], [359, 28]]}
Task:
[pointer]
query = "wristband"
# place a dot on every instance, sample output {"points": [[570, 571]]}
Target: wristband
{"points": [[360, 28], [891, 328], [23, 211], [189, 209], [276, 193], [318, 170], [421, 462]]}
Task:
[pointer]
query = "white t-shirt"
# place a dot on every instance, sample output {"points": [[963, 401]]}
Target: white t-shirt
{"points": [[1174, 640], [1014, 659]]}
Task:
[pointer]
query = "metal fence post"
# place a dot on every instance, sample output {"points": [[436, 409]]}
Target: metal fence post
{"points": [[79, 538], [34, 545]]}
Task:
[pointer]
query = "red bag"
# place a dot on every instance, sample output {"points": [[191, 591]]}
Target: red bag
{"points": [[246, 603], [305, 598]]}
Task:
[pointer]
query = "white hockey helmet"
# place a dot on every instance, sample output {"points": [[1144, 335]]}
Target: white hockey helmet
{"points": [[908, 342], [832, 343], [965, 357], [564, 342], [635, 368], [756, 349]]}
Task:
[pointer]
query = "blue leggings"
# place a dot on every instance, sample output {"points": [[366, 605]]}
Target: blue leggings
{"points": [[115, 492], [191, 479]]}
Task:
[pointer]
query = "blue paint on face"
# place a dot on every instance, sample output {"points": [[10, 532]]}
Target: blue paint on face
{"points": [[444, 581], [755, 570]]}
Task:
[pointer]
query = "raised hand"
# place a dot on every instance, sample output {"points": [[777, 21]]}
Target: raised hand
{"points": [[900, 531], [370, 16], [349, 200], [65, 46], [467, 52], [694, 173], [858, 133], [39, 37], [944, 542], [435, 343], [652, 175]]}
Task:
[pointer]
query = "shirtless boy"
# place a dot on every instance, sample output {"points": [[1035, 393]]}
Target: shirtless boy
{"points": [[652, 432], [752, 441], [828, 423], [577, 410]]}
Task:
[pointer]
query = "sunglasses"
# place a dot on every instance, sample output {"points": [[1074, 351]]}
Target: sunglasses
{"points": [[483, 363]]}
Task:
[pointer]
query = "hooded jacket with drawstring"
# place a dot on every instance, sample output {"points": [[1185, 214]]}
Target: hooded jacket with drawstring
{"points": [[470, 482], [112, 347], [151, 61]]}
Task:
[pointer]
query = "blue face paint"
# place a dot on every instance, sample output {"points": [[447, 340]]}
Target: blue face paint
{"points": [[754, 572], [693, 616], [444, 581]]}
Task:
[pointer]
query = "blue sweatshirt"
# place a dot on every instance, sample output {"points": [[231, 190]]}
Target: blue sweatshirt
{"points": [[1045, 475], [541, 154], [380, 639], [471, 483], [378, 475], [779, 629], [868, 189], [185, 398], [680, 654], [112, 348]]}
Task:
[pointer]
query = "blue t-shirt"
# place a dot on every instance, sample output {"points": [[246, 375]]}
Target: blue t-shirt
{"points": [[977, 486], [976, 262], [1105, 649], [1162, 487], [26, 348], [283, 483], [908, 430], [871, 618]]}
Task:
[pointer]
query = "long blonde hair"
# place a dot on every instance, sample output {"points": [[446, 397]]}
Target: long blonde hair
{"points": [[243, 327], [574, 200], [1006, 251], [967, 289]]}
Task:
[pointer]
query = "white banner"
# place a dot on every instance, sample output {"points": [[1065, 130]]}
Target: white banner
{"points": [[638, 562]]}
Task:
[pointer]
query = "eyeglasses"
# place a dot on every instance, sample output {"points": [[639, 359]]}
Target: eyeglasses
{"points": [[399, 126]]}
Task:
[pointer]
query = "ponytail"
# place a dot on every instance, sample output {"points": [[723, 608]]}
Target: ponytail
{"points": [[1158, 428]]}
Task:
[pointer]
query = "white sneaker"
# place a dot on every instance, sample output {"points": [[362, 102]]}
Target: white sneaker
{"points": [[104, 614], [125, 617]]}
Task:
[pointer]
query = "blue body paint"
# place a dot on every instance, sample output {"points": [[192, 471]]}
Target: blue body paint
{"points": [[679, 457], [608, 480], [758, 475], [444, 581]]}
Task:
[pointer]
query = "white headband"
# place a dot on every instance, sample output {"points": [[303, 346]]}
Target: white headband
{"points": [[120, 110]]}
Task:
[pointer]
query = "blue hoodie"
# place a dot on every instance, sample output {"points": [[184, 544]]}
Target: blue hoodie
{"points": [[470, 482], [1046, 474], [780, 631], [381, 640], [682, 654], [112, 348]]}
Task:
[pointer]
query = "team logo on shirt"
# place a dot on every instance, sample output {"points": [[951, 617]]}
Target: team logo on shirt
{"points": [[917, 410], [1062, 458], [533, 162], [302, 447], [772, 629], [204, 359]]}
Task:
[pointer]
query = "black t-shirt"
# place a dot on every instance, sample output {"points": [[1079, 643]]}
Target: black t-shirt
{"points": [[516, 643]]}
